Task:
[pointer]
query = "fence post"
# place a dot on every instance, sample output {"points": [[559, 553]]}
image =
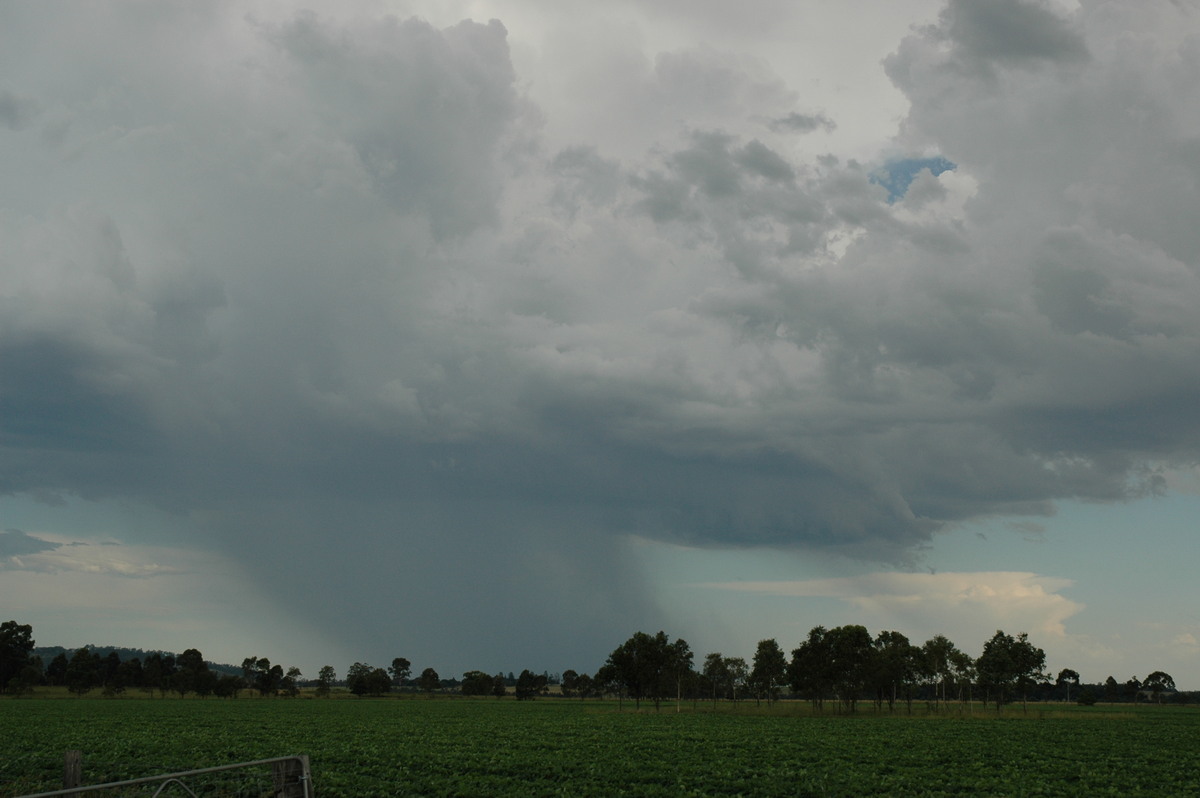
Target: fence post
{"points": [[73, 770], [291, 778]]}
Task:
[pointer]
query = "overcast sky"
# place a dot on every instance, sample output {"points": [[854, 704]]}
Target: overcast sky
{"points": [[488, 333]]}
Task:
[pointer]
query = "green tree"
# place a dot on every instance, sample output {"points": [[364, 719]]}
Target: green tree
{"points": [[568, 682], [83, 671], [400, 670], [649, 667], [807, 667], [1010, 664], [769, 671], [530, 685], [1067, 678], [897, 666], [358, 678], [129, 674], [714, 674], [259, 673], [1158, 683], [325, 679], [16, 644], [191, 673], [738, 674], [379, 682], [476, 683], [679, 667], [429, 681], [851, 662], [56, 671], [938, 656], [964, 673], [290, 684], [499, 688], [155, 672]]}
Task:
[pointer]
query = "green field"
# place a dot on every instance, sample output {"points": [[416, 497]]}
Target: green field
{"points": [[488, 747]]}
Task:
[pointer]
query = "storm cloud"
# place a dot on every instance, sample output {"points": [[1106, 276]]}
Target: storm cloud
{"points": [[324, 290]]}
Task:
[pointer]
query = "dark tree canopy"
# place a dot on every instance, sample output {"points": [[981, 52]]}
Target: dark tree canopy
{"points": [[1010, 664], [649, 667], [429, 680], [16, 643], [769, 670]]}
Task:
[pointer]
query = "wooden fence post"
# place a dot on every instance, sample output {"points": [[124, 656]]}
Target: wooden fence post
{"points": [[73, 770]]}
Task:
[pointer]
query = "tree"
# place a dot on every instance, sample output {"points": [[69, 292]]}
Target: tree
{"points": [[476, 683], [290, 683], [429, 680], [379, 682], [227, 686], [568, 682], [1157, 683], [648, 667], [897, 665], [738, 674], [584, 686], [530, 685], [358, 678], [808, 671], [938, 657], [56, 671], [499, 688], [964, 672], [400, 670], [129, 674], [16, 644], [1066, 678], [1009, 664], [679, 666], [325, 679], [259, 673], [155, 672], [714, 673], [83, 671], [769, 671], [851, 653], [190, 673]]}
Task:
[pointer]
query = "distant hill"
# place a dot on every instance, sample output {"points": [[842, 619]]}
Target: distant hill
{"points": [[47, 653]]}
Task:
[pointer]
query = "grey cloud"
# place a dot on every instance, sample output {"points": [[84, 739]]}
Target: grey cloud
{"points": [[1075, 297], [15, 543], [1011, 32], [796, 122], [703, 80], [426, 110], [16, 111], [583, 175], [761, 160], [363, 350]]}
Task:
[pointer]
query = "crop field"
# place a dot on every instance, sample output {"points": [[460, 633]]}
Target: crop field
{"points": [[550, 747]]}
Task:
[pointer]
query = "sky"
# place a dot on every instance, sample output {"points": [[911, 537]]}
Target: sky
{"points": [[489, 333]]}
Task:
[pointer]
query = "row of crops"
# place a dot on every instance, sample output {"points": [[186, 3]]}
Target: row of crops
{"points": [[494, 748]]}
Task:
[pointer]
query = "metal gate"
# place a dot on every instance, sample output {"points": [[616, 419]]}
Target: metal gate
{"points": [[290, 774]]}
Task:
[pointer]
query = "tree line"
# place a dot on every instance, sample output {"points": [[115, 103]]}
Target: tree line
{"points": [[841, 666], [845, 665]]}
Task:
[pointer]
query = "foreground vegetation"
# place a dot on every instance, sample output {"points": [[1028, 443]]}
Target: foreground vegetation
{"points": [[489, 747]]}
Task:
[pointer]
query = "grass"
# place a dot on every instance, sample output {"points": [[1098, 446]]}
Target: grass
{"points": [[486, 747]]}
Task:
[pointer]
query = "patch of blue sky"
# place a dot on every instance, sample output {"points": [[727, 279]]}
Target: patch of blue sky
{"points": [[897, 175]]}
